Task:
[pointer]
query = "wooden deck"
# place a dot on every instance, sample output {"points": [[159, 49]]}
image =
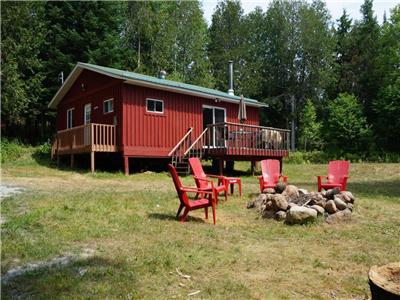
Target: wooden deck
{"points": [[89, 138]]}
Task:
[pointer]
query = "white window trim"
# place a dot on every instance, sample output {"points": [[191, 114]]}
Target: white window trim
{"points": [[72, 117], [155, 112], [108, 100], [84, 113], [225, 116]]}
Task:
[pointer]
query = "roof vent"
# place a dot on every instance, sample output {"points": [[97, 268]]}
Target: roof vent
{"points": [[230, 72], [162, 74]]}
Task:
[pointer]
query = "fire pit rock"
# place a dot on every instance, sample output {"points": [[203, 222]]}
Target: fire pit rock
{"points": [[298, 206]]}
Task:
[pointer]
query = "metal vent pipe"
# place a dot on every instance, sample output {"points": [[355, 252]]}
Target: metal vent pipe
{"points": [[230, 87]]}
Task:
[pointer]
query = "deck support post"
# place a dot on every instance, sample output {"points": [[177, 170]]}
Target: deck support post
{"points": [[126, 165], [253, 163], [72, 160], [221, 166], [281, 164], [92, 161]]}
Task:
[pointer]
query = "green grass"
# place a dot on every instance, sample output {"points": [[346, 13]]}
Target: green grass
{"points": [[130, 222]]}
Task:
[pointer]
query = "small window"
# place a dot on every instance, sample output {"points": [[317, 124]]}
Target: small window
{"points": [[108, 106], [70, 117], [155, 106]]}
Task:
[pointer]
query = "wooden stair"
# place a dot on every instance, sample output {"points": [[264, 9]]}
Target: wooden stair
{"points": [[187, 148]]}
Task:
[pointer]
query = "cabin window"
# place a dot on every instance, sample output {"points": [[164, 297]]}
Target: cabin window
{"points": [[70, 117], [155, 106], [108, 106]]}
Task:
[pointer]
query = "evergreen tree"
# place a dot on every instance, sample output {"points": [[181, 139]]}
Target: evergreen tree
{"points": [[227, 43], [366, 36], [387, 104], [346, 128], [80, 32], [310, 128], [344, 52], [173, 38], [22, 70]]}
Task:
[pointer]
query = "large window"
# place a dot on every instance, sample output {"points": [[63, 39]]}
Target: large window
{"points": [[154, 106], [70, 114], [108, 106]]}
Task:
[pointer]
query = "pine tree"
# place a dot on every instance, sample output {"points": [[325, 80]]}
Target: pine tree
{"points": [[346, 128], [173, 38], [80, 32], [344, 52], [310, 128], [22, 70], [366, 36], [387, 103], [227, 43]]}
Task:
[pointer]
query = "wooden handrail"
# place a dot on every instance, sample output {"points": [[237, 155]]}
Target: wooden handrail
{"points": [[194, 143], [247, 125], [181, 141]]}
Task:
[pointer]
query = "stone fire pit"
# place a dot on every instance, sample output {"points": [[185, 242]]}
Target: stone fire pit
{"points": [[297, 206]]}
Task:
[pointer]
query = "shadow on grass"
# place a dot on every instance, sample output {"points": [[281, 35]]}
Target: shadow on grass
{"points": [[168, 217], [73, 280], [387, 188]]}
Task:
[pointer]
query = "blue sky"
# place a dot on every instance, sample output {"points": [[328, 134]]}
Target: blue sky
{"points": [[335, 7]]}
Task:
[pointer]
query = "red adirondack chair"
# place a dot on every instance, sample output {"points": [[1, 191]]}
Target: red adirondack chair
{"points": [[202, 179], [188, 204], [338, 173], [271, 173]]}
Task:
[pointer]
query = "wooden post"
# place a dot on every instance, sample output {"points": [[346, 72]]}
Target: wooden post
{"points": [[126, 165], [252, 167], [92, 161], [72, 160], [221, 166], [280, 164]]}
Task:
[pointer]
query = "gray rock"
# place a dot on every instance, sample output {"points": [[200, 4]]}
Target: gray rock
{"points": [[330, 207], [268, 214], [349, 195], [340, 204], [320, 210], [291, 204], [280, 187], [269, 205], [292, 191], [269, 191], [300, 215], [350, 206], [323, 193], [331, 193], [340, 216], [321, 202], [280, 215], [261, 198], [303, 192], [279, 202]]}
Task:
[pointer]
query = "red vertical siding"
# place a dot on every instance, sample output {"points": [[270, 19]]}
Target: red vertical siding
{"points": [[97, 88], [149, 134]]}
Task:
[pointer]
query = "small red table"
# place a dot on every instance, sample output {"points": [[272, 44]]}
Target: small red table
{"points": [[230, 181]]}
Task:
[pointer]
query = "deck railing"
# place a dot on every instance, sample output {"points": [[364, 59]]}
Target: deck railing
{"points": [[86, 138], [247, 138]]}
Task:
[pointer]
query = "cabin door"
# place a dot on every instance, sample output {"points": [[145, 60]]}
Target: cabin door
{"points": [[87, 118], [214, 115]]}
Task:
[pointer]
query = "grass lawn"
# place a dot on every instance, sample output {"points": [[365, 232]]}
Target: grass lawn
{"points": [[130, 224]]}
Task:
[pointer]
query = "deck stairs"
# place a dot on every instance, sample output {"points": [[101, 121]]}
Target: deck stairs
{"points": [[187, 147]]}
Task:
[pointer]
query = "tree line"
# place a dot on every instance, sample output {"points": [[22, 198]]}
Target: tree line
{"points": [[335, 82]]}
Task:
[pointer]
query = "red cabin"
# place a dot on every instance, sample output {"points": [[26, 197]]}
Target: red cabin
{"points": [[101, 109]]}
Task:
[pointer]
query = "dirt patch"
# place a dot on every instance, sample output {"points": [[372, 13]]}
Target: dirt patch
{"points": [[54, 262]]}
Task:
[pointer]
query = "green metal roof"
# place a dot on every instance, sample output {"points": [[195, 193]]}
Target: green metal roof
{"points": [[144, 79], [166, 82]]}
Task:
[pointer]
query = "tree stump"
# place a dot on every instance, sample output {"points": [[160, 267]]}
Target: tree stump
{"points": [[384, 281]]}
